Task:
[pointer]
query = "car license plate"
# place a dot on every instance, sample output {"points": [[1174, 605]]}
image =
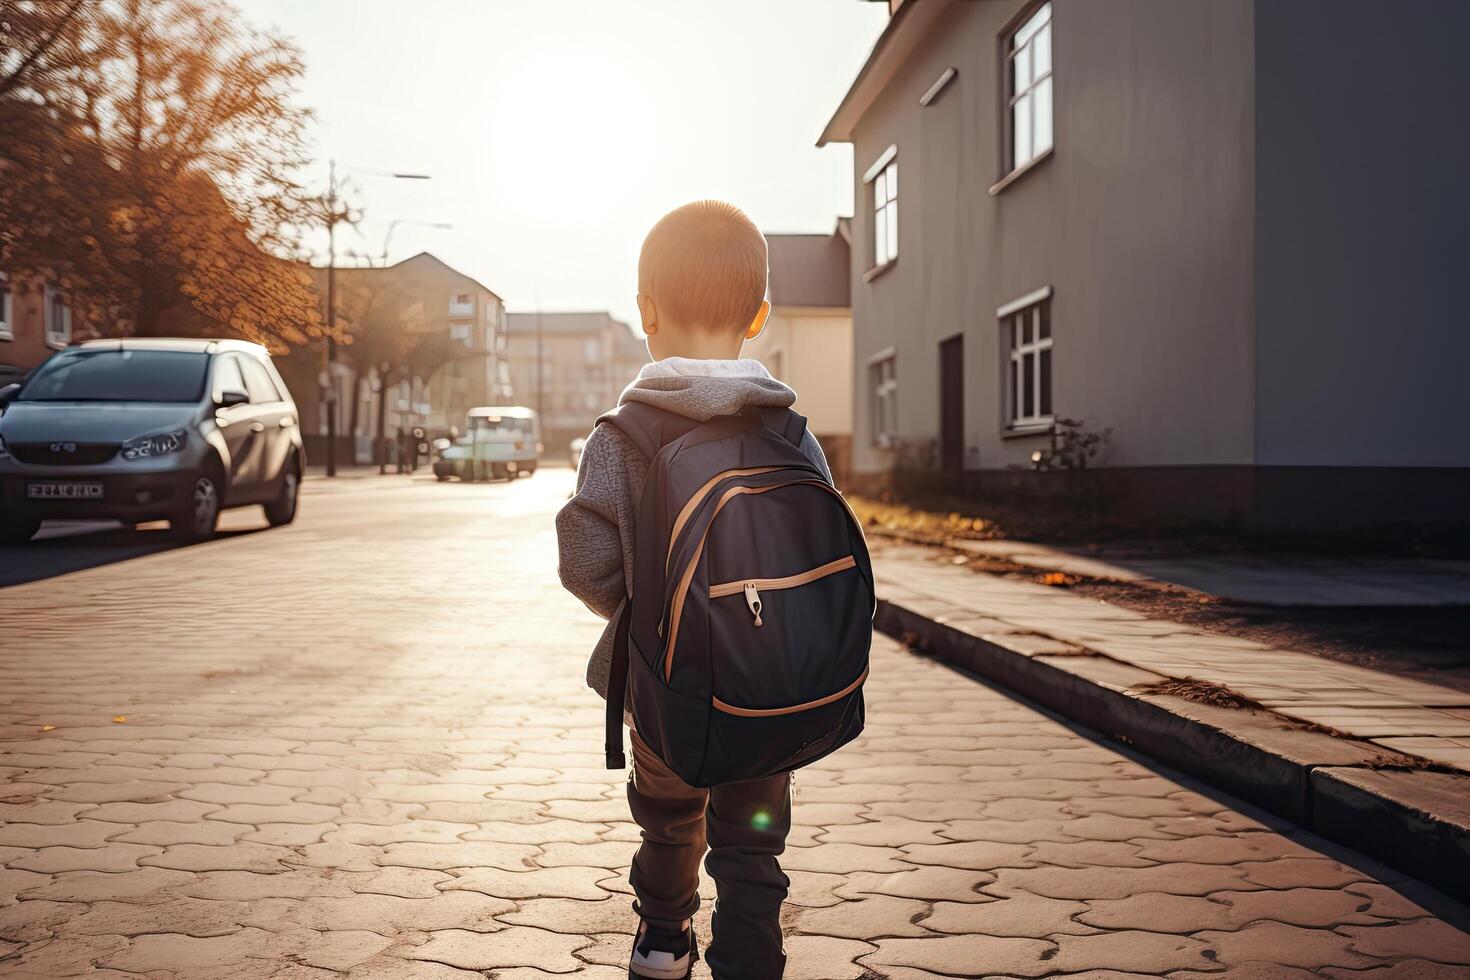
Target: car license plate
{"points": [[65, 491]]}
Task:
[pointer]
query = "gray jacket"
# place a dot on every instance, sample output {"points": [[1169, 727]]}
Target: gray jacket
{"points": [[594, 530]]}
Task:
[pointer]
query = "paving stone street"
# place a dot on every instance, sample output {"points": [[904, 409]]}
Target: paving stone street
{"points": [[361, 746]]}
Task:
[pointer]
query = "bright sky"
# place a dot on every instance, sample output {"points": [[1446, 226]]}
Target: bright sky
{"points": [[557, 131]]}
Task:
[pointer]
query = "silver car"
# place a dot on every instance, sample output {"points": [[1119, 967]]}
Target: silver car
{"points": [[143, 430]]}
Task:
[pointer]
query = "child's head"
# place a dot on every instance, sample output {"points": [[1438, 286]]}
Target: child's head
{"points": [[702, 282]]}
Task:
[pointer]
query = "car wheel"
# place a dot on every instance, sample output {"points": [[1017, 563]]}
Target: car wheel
{"points": [[441, 477], [198, 513], [282, 510], [18, 530]]}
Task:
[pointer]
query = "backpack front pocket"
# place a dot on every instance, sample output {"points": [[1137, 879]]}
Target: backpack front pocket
{"points": [[789, 644]]}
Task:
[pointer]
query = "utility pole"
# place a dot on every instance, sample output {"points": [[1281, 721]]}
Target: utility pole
{"points": [[540, 371], [331, 372], [329, 389]]}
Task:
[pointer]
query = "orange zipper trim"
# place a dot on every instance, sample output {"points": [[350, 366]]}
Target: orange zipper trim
{"points": [[730, 709], [683, 590], [698, 496], [786, 582]]}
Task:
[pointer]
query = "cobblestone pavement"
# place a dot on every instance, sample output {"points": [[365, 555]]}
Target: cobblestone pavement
{"points": [[361, 746]]}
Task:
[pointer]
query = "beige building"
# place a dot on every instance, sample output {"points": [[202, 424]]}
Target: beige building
{"points": [[807, 342], [586, 361]]}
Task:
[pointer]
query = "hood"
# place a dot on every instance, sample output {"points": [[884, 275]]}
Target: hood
{"points": [[91, 421], [703, 389]]}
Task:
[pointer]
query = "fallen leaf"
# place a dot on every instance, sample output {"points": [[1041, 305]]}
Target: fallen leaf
{"points": [[119, 719], [1053, 578], [48, 728]]}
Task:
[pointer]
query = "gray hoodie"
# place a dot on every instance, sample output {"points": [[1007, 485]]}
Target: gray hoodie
{"points": [[594, 530]]}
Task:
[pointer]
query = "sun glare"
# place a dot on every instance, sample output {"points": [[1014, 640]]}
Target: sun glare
{"points": [[567, 134]]}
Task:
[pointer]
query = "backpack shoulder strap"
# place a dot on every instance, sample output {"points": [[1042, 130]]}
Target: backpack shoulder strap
{"points": [[789, 425], [647, 427]]}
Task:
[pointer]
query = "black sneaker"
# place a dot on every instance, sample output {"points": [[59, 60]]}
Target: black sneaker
{"points": [[662, 955]]}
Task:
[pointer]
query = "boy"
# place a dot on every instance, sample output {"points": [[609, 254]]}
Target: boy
{"points": [[701, 295]]}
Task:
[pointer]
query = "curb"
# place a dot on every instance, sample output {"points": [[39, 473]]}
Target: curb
{"points": [[1416, 821]]}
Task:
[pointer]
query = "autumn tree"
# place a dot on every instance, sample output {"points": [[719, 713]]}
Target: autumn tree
{"points": [[148, 160], [388, 335]]}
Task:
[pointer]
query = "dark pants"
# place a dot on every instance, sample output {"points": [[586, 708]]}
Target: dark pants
{"points": [[745, 825]]}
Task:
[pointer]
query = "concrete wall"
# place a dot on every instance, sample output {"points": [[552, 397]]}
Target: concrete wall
{"points": [[1362, 245], [1141, 222], [811, 350]]}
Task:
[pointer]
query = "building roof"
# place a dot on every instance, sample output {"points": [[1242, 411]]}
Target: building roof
{"points": [[810, 270], [907, 26], [426, 257], [410, 264]]}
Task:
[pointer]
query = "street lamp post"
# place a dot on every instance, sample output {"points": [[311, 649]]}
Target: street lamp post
{"points": [[393, 226], [333, 217]]}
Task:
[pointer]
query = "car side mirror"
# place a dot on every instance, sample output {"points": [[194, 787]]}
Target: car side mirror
{"points": [[231, 397], [8, 393]]}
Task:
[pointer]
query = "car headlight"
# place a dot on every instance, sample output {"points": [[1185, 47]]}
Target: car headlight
{"points": [[157, 444]]}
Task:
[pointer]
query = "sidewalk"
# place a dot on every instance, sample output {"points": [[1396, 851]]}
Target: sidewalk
{"points": [[1359, 730]]}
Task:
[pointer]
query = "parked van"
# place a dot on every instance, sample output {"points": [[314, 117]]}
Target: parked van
{"points": [[499, 443]]}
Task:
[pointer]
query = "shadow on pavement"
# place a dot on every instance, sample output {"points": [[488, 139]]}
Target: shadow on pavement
{"points": [[73, 547], [1427, 896]]}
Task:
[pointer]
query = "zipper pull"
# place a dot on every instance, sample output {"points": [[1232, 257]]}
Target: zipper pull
{"points": [[753, 600]]}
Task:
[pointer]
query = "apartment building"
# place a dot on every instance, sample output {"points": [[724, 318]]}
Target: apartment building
{"points": [[35, 320], [1230, 232], [584, 361], [427, 296]]}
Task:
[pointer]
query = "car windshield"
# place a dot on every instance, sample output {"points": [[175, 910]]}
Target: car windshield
{"points": [[111, 375]]}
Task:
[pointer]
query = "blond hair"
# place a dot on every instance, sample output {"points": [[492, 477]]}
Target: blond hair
{"points": [[704, 264]]}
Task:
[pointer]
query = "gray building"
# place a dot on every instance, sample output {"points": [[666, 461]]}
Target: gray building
{"points": [[1232, 232]]}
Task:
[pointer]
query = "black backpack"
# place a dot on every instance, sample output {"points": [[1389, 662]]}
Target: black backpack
{"points": [[744, 645]]}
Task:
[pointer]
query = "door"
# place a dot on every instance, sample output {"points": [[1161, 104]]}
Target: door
{"points": [[952, 403], [269, 426], [234, 423]]}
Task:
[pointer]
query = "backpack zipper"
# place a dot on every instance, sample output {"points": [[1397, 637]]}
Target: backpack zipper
{"points": [[753, 600], [752, 587]]}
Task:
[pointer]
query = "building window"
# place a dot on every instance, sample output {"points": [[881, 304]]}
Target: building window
{"points": [[1026, 329], [6, 305], [885, 215], [461, 332], [883, 383], [463, 299], [1029, 87], [58, 318]]}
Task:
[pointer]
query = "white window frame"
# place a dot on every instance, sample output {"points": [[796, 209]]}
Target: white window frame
{"points": [[882, 176], [883, 397], [7, 309], [1028, 53], [1022, 323], [57, 335]]}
